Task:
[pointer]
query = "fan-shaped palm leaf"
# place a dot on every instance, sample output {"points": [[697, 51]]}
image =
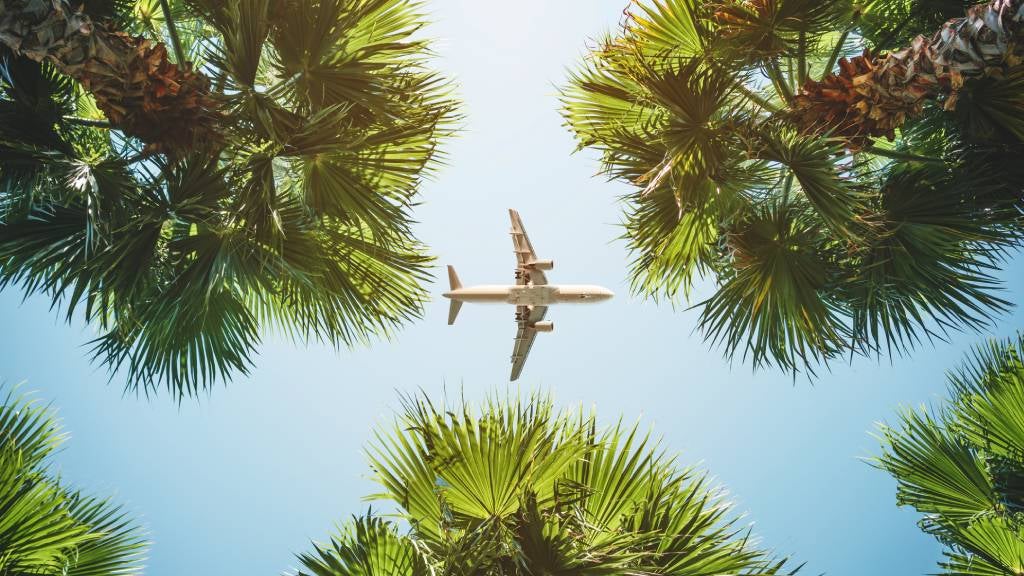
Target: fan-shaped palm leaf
{"points": [[964, 469], [367, 546], [45, 528]]}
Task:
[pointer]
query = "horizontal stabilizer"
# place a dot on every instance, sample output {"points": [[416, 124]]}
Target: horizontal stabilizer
{"points": [[453, 311]]}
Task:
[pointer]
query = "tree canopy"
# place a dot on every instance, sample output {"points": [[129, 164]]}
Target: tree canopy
{"points": [[517, 487], [283, 201], [850, 188]]}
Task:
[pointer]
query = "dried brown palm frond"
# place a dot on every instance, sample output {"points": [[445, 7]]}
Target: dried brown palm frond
{"points": [[872, 95], [166, 105]]}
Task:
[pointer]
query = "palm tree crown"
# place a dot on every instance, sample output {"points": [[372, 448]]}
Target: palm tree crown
{"points": [[282, 199], [963, 468], [519, 488], [848, 200]]}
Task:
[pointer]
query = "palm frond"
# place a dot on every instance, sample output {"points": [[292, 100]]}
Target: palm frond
{"points": [[776, 307], [520, 488], [757, 32], [964, 468], [930, 264], [365, 546], [813, 164], [117, 546], [669, 28], [987, 546], [888, 23], [45, 528], [988, 109], [989, 391], [938, 473]]}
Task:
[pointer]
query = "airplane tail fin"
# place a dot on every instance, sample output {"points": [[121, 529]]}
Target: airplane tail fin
{"points": [[453, 278], [456, 305]]}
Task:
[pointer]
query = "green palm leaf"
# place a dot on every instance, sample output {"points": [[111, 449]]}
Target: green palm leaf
{"points": [[964, 469], [938, 473], [990, 398], [989, 546], [45, 528], [367, 546], [776, 306]]}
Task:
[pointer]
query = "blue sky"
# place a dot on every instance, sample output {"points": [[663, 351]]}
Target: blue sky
{"points": [[237, 482]]}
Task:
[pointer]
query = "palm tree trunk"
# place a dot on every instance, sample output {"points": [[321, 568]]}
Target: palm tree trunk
{"points": [[167, 106], [872, 95]]}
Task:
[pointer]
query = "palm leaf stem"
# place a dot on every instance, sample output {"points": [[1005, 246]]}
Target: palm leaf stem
{"points": [[802, 59], [752, 95], [91, 122], [790, 75], [787, 187], [775, 74], [905, 156], [172, 30], [758, 99], [836, 51], [139, 157]]}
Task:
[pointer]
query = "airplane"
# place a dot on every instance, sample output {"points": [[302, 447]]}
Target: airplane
{"points": [[531, 294]]}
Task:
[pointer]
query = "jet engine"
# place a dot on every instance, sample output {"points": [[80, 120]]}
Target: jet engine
{"points": [[543, 326], [541, 265]]}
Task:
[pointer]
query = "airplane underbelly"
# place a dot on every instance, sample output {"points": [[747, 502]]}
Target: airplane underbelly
{"points": [[532, 295]]}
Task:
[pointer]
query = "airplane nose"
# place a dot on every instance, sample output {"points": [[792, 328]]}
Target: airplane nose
{"points": [[607, 294], [447, 295]]}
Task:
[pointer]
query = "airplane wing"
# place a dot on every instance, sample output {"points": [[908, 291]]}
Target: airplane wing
{"points": [[525, 336], [524, 254]]}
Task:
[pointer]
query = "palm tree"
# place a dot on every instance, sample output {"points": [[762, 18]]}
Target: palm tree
{"points": [[874, 94], [963, 466], [132, 80], [847, 200], [47, 529], [519, 488], [279, 196]]}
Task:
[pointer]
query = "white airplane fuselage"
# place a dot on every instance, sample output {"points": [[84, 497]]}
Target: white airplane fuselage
{"points": [[545, 295]]}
